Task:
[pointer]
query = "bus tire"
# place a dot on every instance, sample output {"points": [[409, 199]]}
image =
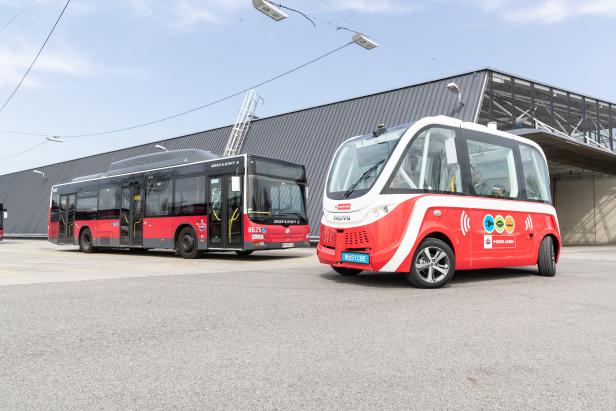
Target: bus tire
{"points": [[547, 258], [85, 241], [433, 264], [187, 245], [244, 253], [347, 272]]}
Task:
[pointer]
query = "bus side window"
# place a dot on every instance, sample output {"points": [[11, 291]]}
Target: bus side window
{"points": [[55, 208], [108, 203], [87, 202], [158, 198], [430, 163], [536, 177], [493, 170]]}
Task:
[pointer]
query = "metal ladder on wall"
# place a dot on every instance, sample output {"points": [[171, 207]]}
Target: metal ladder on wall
{"points": [[242, 123]]}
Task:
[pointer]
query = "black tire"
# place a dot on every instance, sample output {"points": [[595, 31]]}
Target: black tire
{"points": [[187, 244], [547, 258], [433, 264], [244, 253], [85, 242], [347, 272]]}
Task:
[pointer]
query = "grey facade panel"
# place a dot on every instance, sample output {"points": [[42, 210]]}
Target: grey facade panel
{"points": [[308, 137]]}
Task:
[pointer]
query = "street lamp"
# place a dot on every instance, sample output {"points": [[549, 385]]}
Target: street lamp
{"points": [[55, 139], [454, 88], [39, 172], [270, 10], [364, 41], [161, 148]]}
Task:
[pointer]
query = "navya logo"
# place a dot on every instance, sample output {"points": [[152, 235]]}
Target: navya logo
{"points": [[343, 206], [342, 218]]}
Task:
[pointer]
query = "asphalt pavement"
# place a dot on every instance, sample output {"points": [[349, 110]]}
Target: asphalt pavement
{"points": [[277, 330]]}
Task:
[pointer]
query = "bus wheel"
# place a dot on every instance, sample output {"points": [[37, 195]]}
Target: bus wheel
{"points": [[244, 253], [347, 272], [187, 245], [547, 258], [85, 242], [433, 264]]}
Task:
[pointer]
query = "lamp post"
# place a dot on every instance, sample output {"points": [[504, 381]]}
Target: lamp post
{"points": [[39, 172], [161, 148], [454, 88]]}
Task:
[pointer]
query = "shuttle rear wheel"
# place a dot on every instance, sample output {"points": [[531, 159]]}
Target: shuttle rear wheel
{"points": [[547, 258]]}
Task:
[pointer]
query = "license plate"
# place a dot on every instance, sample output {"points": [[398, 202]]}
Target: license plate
{"points": [[288, 245], [356, 258]]}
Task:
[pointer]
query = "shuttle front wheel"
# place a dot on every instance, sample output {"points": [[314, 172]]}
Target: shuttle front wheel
{"points": [[433, 264]]}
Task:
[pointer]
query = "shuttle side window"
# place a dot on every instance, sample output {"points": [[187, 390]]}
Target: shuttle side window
{"points": [[493, 169], [430, 164], [536, 177]]}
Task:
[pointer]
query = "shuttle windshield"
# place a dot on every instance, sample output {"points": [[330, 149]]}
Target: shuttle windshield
{"points": [[359, 163]]}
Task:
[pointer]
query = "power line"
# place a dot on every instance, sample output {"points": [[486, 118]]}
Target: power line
{"points": [[19, 13], [35, 58], [34, 147], [220, 100]]}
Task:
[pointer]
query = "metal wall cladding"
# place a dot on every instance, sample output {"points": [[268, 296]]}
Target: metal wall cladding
{"points": [[308, 137]]}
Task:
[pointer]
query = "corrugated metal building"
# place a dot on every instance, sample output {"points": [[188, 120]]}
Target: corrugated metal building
{"points": [[311, 135]]}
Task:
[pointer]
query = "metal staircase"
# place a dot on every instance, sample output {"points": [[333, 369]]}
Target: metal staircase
{"points": [[242, 123]]}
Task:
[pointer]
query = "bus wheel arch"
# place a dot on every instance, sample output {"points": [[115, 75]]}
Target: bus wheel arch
{"points": [[184, 250], [86, 240]]}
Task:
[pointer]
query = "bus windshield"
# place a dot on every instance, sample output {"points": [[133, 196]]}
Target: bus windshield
{"points": [[359, 163], [276, 201]]}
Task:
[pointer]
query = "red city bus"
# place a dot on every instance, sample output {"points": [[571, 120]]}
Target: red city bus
{"points": [[436, 196], [186, 200]]}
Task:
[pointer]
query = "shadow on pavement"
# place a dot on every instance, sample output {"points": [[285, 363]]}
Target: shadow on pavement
{"points": [[398, 280], [222, 256]]}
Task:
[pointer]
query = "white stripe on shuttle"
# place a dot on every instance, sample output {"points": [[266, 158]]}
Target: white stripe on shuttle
{"points": [[424, 203]]}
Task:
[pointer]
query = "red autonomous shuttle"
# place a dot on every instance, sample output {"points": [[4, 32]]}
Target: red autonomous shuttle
{"points": [[436, 196], [187, 200]]}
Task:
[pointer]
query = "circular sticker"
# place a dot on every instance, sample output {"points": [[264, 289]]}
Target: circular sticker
{"points": [[509, 224], [499, 223], [264, 230], [488, 223]]}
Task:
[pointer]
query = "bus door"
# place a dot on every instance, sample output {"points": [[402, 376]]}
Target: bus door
{"points": [[225, 215], [67, 219], [131, 216]]}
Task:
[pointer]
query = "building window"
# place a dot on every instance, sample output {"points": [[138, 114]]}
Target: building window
{"points": [[430, 164], [502, 101], [493, 170], [190, 196], [158, 198], [536, 176], [523, 104]]}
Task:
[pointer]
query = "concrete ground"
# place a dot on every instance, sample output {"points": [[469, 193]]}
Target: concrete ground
{"points": [[120, 330]]}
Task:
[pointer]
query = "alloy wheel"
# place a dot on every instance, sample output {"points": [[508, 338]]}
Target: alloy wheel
{"points": [[432, 264]]}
